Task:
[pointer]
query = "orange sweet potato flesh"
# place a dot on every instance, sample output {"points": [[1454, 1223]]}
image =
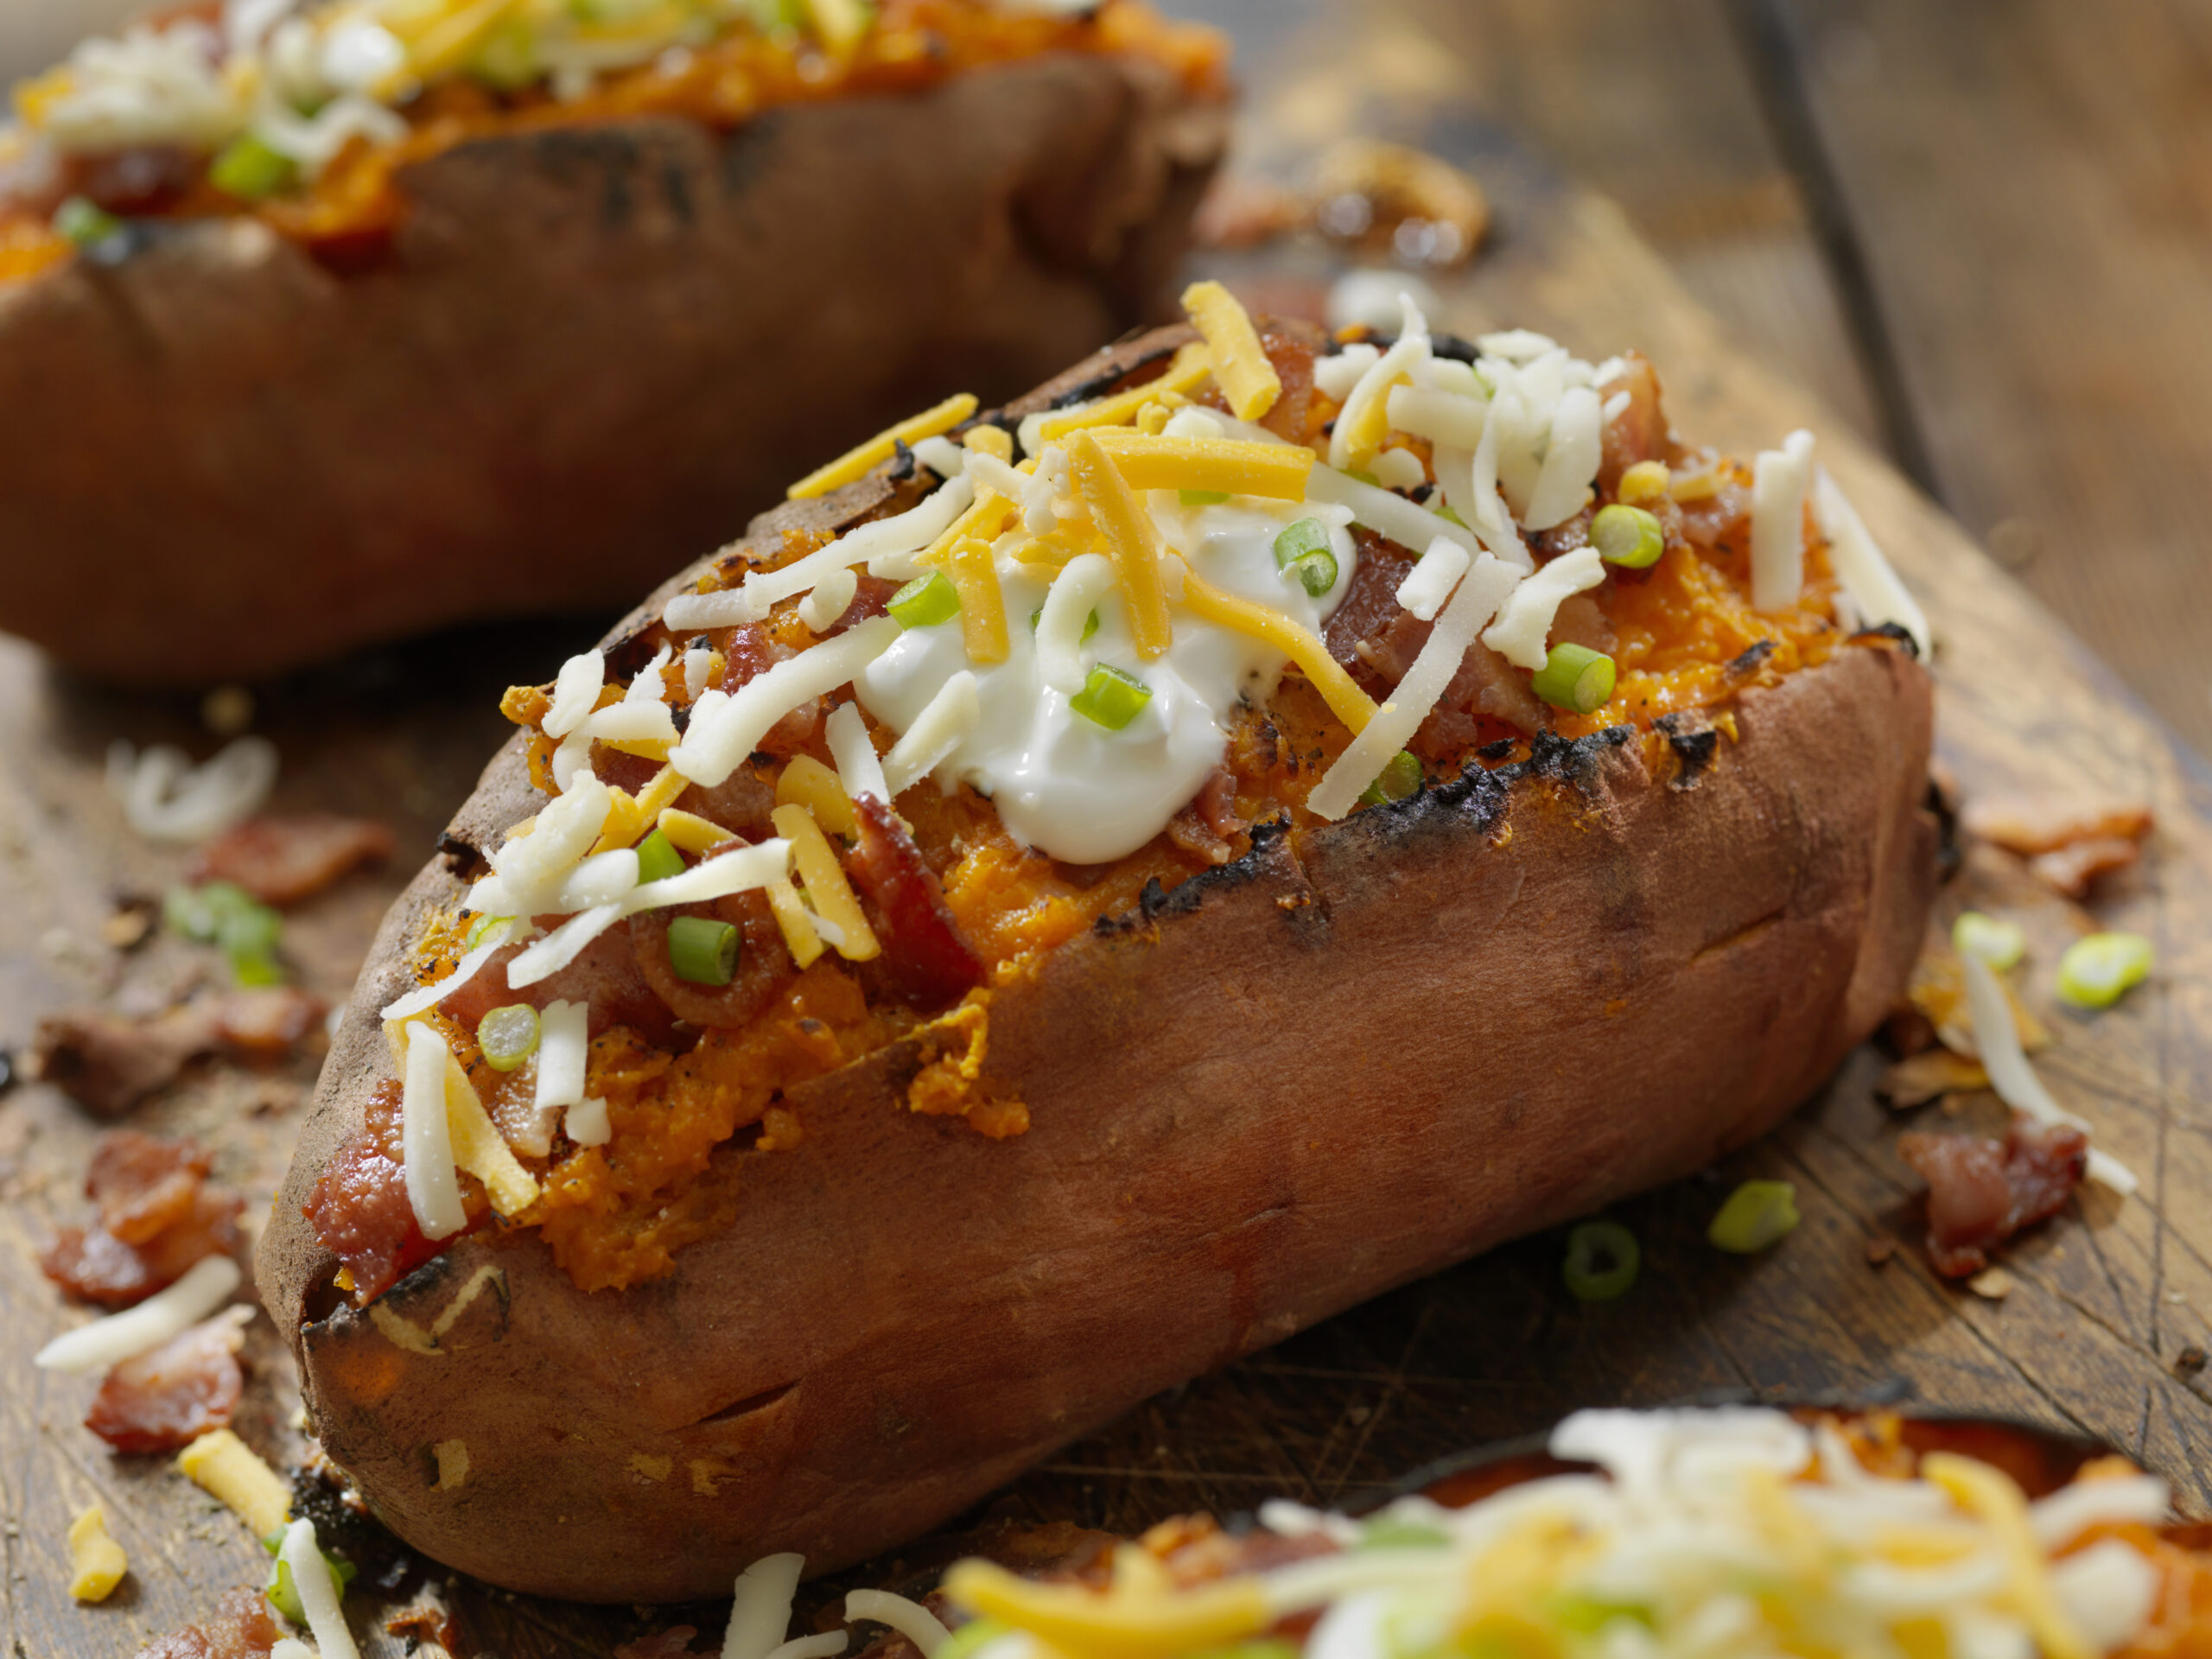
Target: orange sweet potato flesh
{"points": [[1362, 1052], [590, 351]]}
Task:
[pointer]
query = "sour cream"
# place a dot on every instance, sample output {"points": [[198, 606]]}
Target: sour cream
{"points": [[1063, 784]]}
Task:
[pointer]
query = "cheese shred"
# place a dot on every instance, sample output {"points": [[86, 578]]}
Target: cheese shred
{"points": [[856, 462], [1240, 363], [1302, 645], [832, 895], [1132, 542]]}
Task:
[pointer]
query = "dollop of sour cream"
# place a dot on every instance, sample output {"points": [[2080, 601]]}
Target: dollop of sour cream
{"points": [[1061, 783]]}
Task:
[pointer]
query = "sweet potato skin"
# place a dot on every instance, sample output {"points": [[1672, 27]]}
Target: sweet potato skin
{"points": [[1358, 1055], [589, 353]]}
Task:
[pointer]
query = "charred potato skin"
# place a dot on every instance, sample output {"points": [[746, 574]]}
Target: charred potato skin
{"points": [[589, 352], [1356, 1055]]}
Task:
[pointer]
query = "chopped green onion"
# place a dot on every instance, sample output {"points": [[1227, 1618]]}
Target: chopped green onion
{"points": [[1574, 677], [83, 223], [508, 1036], [1401, 777], [1090, 627], [926, 602], [1300, 541], [225, 915], [975, 1634], [1757, 1213], [657, 859], [703, 950], [1586, 1615], [2097, 971], [1627, 536], [1401, 1535], [1447, 512], [480, 927], [508, 58], [283, 1595], [1205, 498], [251, 170], [1110, 697], [1999, 943], [1316, 573], [1602, 1260]]}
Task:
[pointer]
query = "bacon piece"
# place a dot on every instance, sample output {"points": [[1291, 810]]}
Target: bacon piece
{"points": [[741, 804], [674, 1643], [2073, 870], [1982, 1191], [1203, 827], [164, 1399], [747, 653], [925, 955], [359, 1208], [1581, 621], [871, 599], [244, 1627], [1639, 431], [266, 1019], [1291, 416], [107, 1063], [2029, 824], [281, 860], [763, 961], [604, 976], [1369, 606], [137, 181], [159, 1215]]}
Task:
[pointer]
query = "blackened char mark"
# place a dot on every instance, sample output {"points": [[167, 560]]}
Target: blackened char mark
{"points": [[1896, 631], [1693, 749], [925, 959], [1751, 656], [1113, 379]]}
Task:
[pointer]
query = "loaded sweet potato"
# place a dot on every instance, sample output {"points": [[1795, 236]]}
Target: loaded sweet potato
{"points": [[1729, 1531], [1069, 901], [324, 324]]}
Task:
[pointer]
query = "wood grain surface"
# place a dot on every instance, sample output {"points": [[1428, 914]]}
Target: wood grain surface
{"points": [[2104, 1302]]}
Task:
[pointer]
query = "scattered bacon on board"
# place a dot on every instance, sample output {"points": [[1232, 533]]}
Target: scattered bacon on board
{"points": [[163, 1400], [108, 1063], [1981, 1191], [244, 1627], [281, 860], [2068, 842], [159, 1215]]}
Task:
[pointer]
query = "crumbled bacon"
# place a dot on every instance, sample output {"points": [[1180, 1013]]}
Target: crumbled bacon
{"points": [[871, 599], [164, 1399], [1291, 414], [281, 860], [674, 1643], [2028, 824], [244, 1627], [748, 652], [1639, 431], [359, 1208], [1982, 1191], [1369, 606], [924, 957], [108, 1062], [2073, 870], [763, 961], [159, 1215]]}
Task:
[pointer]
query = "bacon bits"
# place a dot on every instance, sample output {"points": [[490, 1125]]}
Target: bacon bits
{"points": [[926, 959], [164, 1399], [1982, 1191], [159, 1215], [107, 1063], [359, 1208], [281, 860], [2068, 842], [244, 1627]]}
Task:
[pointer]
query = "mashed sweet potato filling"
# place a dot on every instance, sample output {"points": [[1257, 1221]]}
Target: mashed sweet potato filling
{"points": [[957, 904]]}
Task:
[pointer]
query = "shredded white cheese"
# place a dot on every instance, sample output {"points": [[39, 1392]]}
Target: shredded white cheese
{"points": [[909, 1617], [761, 1609], [858, 768], [169, 1312], [1998, 1039], [1441, 417], [318, 1592], [166, 798], [575, 690], [1386, 514], [725, 729], [426, 1137], [820, 609], [1398, 469], [1339, 372], [1562, 486], [423, 998], [1867, 575], [1411, 349], [587, 1123], [1780, 481], [698, 662], [947, 717], [1084, 582], [738, 871], [1520, 632], [1430, 580], [563, 1046]]}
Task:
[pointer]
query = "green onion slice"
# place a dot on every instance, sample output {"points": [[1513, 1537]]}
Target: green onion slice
{"points": [[84, 223], [1110, 697], [657, 859], [1602, 1260], [2098, 970], [284, 1595], [1300, 541], [1316, 572], [508, 1036], [198, 912], [1386, 1534], [1400, 779], [1574, 677], [251, 170], [926, 602], [1999, 943], [1627, 536], [1756, 1214], [703, 950], [480, 927], [1205, 498]]}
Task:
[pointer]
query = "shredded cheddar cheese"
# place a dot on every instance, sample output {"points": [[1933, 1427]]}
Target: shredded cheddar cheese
{"points": [[1991, 1495], [1229, 465], [97, 1562], [988, 440], [1188, 367], [859, 460], [1132, 544], [801, 938], [1346, 701], [225, 1468], [1239, 362], [806, 782], [1135, 1618], [628, 816], [832, 895], [689, 833], [983, 606]]}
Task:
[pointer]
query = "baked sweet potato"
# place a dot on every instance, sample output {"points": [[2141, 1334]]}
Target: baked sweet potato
{"points": [[1580, 960], [576, 354]]}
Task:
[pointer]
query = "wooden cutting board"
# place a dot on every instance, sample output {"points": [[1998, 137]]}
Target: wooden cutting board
{"points": [[2107, 1306]]}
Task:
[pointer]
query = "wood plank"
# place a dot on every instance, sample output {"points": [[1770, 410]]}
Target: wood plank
{"points": [[2028, 187], [1493, 1348]]}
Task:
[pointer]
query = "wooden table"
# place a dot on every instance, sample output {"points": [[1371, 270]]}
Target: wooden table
{"points": [[2105, 1301]]}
